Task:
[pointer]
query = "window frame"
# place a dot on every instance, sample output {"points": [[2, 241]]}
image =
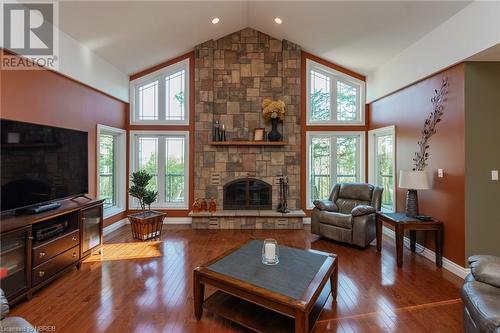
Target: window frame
{"points": [[333, 165], [120, 158], [134, 166], [160, 76], [335, 76], [372, 163]]}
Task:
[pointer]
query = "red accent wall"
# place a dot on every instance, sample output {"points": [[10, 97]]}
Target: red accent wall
{"points": [[46, 97], [407, 109]]}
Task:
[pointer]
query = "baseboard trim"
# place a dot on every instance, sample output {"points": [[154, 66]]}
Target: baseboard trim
{"points": [[168, 220], [449, 265], [178, 220], [114, 226]]}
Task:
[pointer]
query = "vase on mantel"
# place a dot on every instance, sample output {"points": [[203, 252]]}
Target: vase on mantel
{"points": [[274, 135]]}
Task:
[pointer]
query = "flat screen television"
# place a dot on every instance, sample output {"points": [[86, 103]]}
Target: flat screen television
{"points": [[41, 164]]}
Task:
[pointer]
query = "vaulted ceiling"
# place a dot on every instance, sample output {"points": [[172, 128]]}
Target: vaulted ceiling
{"points": [[134, 35]]}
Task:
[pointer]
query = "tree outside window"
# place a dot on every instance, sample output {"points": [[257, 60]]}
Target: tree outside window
{"points": [[107, 170]]}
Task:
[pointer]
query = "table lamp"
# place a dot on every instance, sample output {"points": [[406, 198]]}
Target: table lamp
{"points": [[413, 181]]}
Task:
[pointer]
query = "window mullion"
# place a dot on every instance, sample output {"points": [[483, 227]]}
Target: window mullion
{"points": [[333, 157], [136, 164], [115, 169], [375, 159], [162, 98], [309, 140], [358, 159], [333, 100], [135, 106], [161, 168]]}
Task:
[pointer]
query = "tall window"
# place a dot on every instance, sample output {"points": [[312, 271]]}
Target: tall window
{"points": [[381, 163], [333, 97], [111, 168], [163, 155], [161, 97], [333, 157], [107, 172]]}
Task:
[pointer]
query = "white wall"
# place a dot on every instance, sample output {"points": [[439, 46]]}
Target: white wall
{"points": [[83, 65], [473, 29]]}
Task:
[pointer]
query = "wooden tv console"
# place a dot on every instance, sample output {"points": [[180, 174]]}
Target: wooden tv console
{"points": [[37, 249]]}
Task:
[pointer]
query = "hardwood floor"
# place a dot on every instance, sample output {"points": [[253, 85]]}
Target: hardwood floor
{"points": [[147, 287]]}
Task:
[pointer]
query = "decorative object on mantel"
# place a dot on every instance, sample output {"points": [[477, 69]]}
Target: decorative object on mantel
{"points": [[283, 201], [413, 180], [148, 223], [196, 205], [222, 134], [216, 130], [270, 252], [421, 156], [274, 111], [212, 206], [204, 205], [259, 134], [219, 132]]}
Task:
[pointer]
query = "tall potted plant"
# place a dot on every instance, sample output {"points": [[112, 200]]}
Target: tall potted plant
{"points": [[147, 223]]}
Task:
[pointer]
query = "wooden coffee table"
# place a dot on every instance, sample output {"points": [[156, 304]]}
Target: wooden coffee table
{"points": [[287, 297]]}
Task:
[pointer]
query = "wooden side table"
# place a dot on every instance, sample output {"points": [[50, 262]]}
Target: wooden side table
{"points": [[401, 222]]}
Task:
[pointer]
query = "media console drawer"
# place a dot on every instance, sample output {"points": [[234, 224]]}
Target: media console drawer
{"points": [[54, 265], [46, 251]]}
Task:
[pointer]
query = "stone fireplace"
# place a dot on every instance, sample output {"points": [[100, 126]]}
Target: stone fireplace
{"points": [[247, 193], [233, 75]]}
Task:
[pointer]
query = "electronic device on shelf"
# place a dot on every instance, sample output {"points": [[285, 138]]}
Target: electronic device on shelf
{"points": [[50, 231], [425, 218], [41, 208]]}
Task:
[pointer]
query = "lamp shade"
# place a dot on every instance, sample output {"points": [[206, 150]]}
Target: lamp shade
{"points": [[414, 180]]}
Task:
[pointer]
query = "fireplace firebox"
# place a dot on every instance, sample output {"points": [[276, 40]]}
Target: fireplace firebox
{"points": [[247, 193]]}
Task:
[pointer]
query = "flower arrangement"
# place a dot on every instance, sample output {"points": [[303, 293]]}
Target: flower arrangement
{"points": [[273, 109]]}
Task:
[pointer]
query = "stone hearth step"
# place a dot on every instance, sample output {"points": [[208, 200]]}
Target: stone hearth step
{"points": [[247, 219]]}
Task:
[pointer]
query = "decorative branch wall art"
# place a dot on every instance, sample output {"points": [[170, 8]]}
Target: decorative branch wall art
{"points": [[421, 156]]}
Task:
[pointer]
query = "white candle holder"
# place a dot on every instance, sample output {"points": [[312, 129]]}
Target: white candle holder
{"points": [[270, 252]]}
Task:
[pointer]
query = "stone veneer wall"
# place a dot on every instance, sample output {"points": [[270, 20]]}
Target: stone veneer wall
{"points": [[232, 77]]}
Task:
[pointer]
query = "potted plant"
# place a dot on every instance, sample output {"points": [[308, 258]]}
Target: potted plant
{"points": [[147, 223], [274, 111]]}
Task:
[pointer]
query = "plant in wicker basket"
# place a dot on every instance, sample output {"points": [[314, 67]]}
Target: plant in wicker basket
{"points": [[147, 223]]}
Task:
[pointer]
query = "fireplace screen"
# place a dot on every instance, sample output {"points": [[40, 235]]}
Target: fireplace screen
{"points": [[247, 193]]}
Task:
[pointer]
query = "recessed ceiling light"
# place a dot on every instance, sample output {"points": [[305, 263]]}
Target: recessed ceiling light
{"points": [[215, 20], [278, 20]]}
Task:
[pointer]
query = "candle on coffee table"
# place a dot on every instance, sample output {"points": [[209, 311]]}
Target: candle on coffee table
{"points": [[270, 251]]}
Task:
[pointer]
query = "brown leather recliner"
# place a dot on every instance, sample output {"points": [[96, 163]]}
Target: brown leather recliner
{"points": [[481, 295], [349, 215]]}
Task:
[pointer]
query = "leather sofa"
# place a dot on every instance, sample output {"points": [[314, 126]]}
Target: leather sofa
{"points": [[12, 324], [481, 295], [349, 215]]}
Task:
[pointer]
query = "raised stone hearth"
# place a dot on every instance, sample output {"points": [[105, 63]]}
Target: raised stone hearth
{"points": [[247, 219]]}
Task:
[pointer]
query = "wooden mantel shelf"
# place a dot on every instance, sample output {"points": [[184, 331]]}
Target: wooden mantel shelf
{"points": [[248, 143]]}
